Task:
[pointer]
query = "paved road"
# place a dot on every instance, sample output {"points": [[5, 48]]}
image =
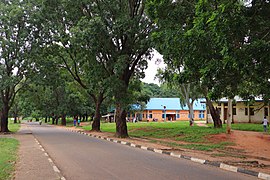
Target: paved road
{"points": [[83, 158]]}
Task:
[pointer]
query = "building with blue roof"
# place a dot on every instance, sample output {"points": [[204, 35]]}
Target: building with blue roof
{"points": [[160, 109]]}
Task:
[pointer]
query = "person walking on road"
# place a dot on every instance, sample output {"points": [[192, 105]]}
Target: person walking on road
{"points": [[74, 121], [265, 124], [79, 121]]}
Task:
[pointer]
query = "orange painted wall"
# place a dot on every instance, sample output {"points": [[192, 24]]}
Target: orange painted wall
{"points": [[172, 114]]}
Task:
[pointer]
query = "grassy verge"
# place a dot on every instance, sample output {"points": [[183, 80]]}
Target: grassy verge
{"points": [[248, 127], [8, 156], [177, 131], [193, 137], [8, 153], [13, 127]]}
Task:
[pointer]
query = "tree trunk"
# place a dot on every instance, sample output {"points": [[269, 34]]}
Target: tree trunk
{"points": [[56, 120], [249, 118], [4, 118], [121, 123], [268, 112], [64, 121], [96, 122], [53, 119], [191, 110], [214, 114], [229, 116], [15, 118], [86, 117], [46, 119]]}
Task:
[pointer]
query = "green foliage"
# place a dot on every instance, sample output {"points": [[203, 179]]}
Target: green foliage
{"points": [[8, 157], [17, 43]]}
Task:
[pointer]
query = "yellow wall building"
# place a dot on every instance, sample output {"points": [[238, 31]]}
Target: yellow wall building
{"points": [[243, 112]]}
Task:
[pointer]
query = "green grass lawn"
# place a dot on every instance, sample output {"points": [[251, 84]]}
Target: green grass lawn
{"points": [[177, 131], [8, 153], [8, 156], [248, 127], [13, 127], [174, 130]]}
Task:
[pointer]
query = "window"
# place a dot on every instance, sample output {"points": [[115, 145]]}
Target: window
{"points": [[201, 114], [163, 116], [234, 111], [150, 116], [265, 111], [142, 115], [246, 111], [251, 111], [177, 114]]}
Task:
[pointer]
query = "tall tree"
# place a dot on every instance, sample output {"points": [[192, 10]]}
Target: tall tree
{"points": [[68, 47], [120, 37], [16, 44]]}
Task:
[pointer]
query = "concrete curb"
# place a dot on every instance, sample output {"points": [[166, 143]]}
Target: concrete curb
{"points": [[194, 159]]}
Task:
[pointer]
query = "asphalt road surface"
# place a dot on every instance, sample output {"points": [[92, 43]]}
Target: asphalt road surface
{"points": [[81, 157]]}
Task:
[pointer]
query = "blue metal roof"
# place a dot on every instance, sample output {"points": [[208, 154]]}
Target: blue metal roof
{"points": [[172, 104]]}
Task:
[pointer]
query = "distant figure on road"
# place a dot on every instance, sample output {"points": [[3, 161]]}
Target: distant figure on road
{"points": [[74, 121], [265, 124], [79, 121]]}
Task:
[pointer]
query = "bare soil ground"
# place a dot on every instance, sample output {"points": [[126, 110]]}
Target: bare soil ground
{"points": [[250, 150]]}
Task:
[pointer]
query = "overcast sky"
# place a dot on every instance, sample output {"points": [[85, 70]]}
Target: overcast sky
{"points": [[153, 65]]}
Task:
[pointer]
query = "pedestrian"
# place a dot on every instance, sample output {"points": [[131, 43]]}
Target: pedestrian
{"points": [[79, 121], [74, 121], [265, 124]]}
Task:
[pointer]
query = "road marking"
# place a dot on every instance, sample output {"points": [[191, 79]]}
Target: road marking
{"points": [[143, 147], [123, 142], [46, 154], [133, 145], [158, 151], [264, 176], [56, 169], [198, 160], [50, 160], [176, 155], [228, 167]]}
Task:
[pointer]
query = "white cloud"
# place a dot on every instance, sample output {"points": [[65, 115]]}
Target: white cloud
{"points": [[155, 63]]}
